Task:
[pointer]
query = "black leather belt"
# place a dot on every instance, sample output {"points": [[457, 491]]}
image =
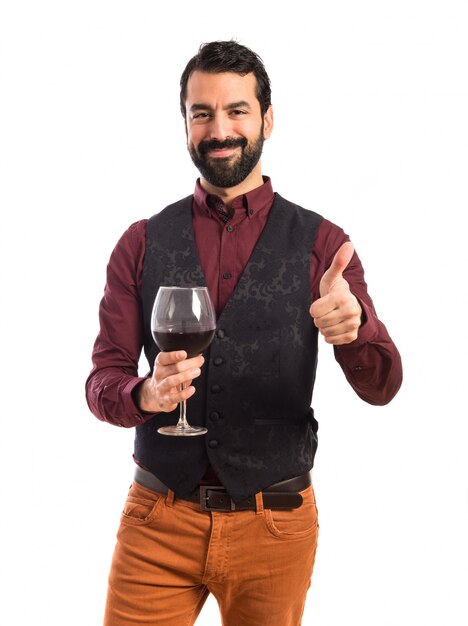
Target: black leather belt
{"points": [[283, 495]]}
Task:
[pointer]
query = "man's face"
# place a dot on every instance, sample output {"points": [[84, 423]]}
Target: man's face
{"points": [[225, 129]]}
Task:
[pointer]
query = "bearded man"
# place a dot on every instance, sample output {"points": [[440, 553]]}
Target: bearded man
{"points": [[232, 512]]}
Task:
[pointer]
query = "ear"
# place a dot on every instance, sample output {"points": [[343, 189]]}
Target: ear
{"points": [[185, 126], [268, 123]]}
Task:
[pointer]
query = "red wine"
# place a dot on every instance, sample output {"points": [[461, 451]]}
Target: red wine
{"points": [[192, 342]]}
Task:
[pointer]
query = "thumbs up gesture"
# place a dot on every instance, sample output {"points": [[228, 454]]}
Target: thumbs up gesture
{"points": [[337, 313]]}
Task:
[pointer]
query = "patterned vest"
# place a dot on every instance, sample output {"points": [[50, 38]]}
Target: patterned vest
{"points": [[255, 391]]}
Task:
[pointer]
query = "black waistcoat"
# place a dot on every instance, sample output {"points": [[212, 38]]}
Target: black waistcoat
{"points": [[255, 391]]}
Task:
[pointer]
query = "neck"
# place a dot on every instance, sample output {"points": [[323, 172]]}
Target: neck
{"points": [[227, 194]]}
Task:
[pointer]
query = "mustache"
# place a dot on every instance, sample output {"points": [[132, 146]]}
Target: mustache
{"points": [[216, 144]]}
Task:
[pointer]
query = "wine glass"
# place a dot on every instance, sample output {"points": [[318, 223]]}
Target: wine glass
{"points": [[183, 318]]}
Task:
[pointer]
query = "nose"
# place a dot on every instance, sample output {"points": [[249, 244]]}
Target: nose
{"points": [[220, 127]]}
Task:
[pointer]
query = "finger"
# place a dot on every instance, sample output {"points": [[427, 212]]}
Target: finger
{"points": [[341, 299], [163, 371], [334, 274], [322, 306], [341, 261], [175, 396], [341, 340], [186, 377], [329, 321], [331, 302], [340, 328], [168, 358], [170, 397], [349, 311]]}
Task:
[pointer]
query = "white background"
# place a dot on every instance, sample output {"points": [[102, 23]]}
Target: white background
{"points": [[371, 110]]}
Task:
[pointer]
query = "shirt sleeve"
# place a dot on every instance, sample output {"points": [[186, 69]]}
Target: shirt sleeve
{"points": [[117, 349], [371, 363]]}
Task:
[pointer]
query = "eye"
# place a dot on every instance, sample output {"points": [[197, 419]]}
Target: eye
{"points": [[200, 116], [238, 112]]}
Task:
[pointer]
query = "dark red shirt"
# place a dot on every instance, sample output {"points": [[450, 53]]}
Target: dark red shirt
{"points": [[371, 363]]}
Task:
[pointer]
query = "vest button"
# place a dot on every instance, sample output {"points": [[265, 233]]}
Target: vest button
{"points": [[220, 333], [214, 417], [218, 361], [229, 228], [215, 388], [213, 443]]}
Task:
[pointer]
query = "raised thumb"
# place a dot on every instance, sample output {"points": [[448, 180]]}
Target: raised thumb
{"points": [[340, 262]]}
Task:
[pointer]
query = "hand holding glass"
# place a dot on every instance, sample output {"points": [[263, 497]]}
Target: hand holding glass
{"points": [[183, 318]]}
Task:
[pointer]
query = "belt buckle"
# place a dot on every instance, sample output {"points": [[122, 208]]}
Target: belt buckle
{"points": [[204, 497]]}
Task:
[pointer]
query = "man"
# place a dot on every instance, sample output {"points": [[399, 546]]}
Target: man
{"points": [[232, 512]]}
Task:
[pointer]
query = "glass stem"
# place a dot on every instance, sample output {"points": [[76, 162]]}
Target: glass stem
{"points": [[182, 423]]}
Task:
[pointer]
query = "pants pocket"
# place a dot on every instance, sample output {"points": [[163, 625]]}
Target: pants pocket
{"points": [[142, 506], [294, 523]]}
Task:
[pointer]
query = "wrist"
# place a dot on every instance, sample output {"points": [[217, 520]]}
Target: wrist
{"points": [[142, 397]]}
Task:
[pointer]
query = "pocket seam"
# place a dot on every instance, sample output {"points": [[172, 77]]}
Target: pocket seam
{"points": [[128, 519], [283, 534]]}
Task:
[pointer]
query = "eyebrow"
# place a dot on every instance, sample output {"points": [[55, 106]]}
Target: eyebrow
{"points": [[240, 104]]}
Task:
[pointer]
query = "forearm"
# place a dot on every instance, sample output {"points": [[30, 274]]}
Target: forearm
{"points": [[111, 385], [372, 363]]}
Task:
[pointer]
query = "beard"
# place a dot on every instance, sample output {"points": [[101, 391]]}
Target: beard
{"points": [[229, 171]]}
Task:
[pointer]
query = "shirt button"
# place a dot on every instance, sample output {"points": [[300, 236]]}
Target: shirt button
{"points": [[215, 388], [227, 275], [214, 417], [251, 211], [218, 361], [229, 228], [213, 443], [220, 333]]}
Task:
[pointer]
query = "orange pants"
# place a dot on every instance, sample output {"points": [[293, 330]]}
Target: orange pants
{"points": [[170, 555]]}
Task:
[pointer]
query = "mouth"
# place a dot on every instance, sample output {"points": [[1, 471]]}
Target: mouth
{"points": [[221, 153]]}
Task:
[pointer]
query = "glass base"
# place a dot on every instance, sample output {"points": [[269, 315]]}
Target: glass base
{"points": [[182, 431]]}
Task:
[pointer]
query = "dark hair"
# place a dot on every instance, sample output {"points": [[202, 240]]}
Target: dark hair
{"points": [[228, 56]]}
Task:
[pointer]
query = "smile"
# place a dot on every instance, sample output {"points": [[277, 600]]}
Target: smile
{"points": [[221, 153]]}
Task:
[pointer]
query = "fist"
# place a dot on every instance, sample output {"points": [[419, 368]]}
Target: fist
{"points": [[337, 313], [170, 383]]}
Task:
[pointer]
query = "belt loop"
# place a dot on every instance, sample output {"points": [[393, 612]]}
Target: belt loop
{"points": [[170, 498], [259, 502]]}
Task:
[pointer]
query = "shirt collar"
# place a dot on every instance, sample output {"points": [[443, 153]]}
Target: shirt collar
{"points": [[251, 202]]}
